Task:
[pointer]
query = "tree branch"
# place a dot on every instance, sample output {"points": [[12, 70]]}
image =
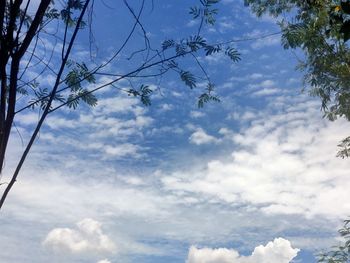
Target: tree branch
{"points": [[47, 108], [44, 4]]}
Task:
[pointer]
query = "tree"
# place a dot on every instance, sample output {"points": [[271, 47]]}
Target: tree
{"points": [[20, 36], [320, 29], [341, 253]]}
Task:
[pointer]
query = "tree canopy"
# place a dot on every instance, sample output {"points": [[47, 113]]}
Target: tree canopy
{"points": [[340, 253], [321, 30]]}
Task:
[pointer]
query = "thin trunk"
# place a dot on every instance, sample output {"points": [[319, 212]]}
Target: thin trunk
{"points": [[9, 48], [47, 108], [3, 83], [10, 110], [2, 16]]}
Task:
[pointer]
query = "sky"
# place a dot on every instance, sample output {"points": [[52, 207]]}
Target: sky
{"points": [[251, 179]]}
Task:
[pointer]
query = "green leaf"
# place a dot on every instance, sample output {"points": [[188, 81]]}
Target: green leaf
{"points": [[233, 54], [72, 102], [188, 78], [195, 42], [209, 50], [144, 93], [88, 98], [205, 98]]}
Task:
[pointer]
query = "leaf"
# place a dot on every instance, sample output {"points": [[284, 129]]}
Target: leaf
{"points": [[172, 64], [52, 13], [293, 35], [88, 98], [72, 102], [345, 29], [85, 73], [188, 78], [181, 49], [41, 98], [168, 44], [195, 12], [133, 92], [73, 80], [208, 3], [75, 4], [233, 54], [205, 98], [22, 91], [212, 2], [209, 50], [144, 93], [79, 72], [345, 6], [195, 42]]}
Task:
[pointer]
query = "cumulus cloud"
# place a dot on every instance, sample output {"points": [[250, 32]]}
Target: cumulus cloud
{"points": [[200, 137], [104, 261], [283, 163], [277, 251], [87, 237]]}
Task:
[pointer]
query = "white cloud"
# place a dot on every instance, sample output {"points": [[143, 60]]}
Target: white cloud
{"points": [[277, 251], [197, 114], [87, 237], [62, 123], [256, 76], [283, 163], [216, 58], [267, 83], [208, 255], [200, 137], [104, 261], [27, 119], [120, 104], [112, 120], [264, 88], [266, 42], [166, 107], [122, 150], [266, 92]]}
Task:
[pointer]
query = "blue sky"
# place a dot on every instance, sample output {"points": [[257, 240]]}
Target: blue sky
{"points": [[251, 179]]}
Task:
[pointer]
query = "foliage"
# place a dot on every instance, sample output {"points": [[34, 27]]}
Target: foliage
{"points": [[75, 81], [321, 29], [144, 93], [79, 74], [341, 253], [205, 11]]}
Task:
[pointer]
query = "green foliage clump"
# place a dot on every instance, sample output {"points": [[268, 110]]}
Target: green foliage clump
{"points": [[321, 29], [341, 253]]}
